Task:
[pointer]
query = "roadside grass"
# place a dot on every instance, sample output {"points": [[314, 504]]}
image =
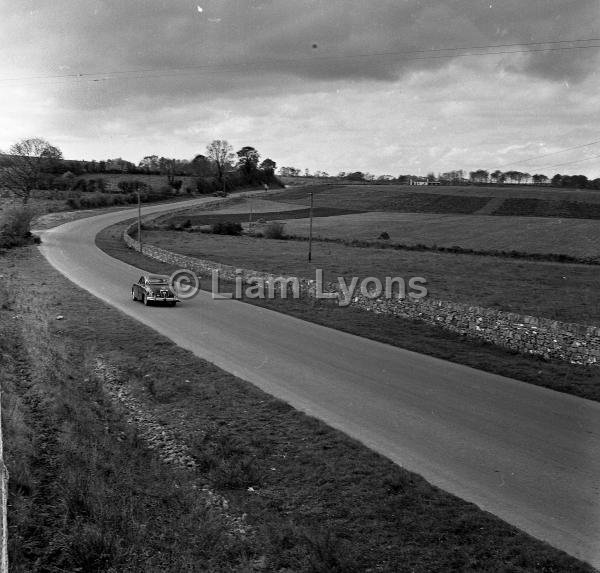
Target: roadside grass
{"points": [[98, 500], [559, 291], [583, 381], [85, 494]]}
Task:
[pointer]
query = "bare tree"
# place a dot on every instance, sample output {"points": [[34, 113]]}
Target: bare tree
{"points": [[221, 153], [23, 166]]}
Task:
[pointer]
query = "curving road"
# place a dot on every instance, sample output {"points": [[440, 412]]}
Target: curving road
{"points": [[524, 453]]}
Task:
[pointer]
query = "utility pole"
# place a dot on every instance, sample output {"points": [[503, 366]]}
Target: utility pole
{"points": [[139, 220], [310, 229]]}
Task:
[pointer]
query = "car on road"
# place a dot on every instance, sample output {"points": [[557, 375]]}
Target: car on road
{"points": [[154, 288]]}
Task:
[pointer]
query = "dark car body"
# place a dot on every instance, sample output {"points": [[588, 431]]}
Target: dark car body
{"points": [[154, 288]]}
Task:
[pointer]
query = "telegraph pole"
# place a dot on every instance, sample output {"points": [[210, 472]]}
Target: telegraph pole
{"points": [[139, 220], [310, 229]]}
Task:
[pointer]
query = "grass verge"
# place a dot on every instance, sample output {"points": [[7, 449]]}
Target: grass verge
{"points": [[583, 381], [85, 494]]}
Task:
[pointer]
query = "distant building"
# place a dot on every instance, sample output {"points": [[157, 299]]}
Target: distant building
{"points": [[422, 181]]}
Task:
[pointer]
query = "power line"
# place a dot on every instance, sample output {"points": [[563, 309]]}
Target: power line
{"points": [[233, 68], [568, 162], [549, 154]]}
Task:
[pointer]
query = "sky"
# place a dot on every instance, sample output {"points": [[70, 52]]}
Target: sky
{"points": [[332, 85]]}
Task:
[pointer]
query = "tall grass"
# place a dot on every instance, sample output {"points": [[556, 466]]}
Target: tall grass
{"points": [[85, 494]]}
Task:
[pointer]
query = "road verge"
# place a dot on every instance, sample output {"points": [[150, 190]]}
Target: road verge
{"points": [[317, 499]]}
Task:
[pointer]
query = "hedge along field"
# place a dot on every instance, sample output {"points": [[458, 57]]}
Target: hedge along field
{"points": [[546, 235], [155, 181]]}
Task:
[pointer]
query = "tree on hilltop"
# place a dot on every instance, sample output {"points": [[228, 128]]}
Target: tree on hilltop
{"points": [[268, 166], [221, 154], [27, 160], [248, 159]]}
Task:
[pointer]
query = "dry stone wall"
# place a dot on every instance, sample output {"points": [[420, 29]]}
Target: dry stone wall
{"points": [[550, 339]]}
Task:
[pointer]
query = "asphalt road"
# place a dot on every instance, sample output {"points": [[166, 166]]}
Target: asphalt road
{"points": [[524, 453]]}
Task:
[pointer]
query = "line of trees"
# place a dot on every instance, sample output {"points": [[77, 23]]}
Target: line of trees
{"points": [[35, 164], [457, 177], [517, 177]]}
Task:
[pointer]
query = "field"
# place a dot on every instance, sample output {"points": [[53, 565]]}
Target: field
{"points": [[566, 292], [382, 197], [574, 237], [95, 485]]}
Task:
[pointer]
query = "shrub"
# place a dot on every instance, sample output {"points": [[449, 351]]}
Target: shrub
{"points": [[205, 186], [385, 236], [128, 186], [90, 185], [166, 191], [15, 227], [187, 224], [227, 228], [176, 184], [274, 230]]}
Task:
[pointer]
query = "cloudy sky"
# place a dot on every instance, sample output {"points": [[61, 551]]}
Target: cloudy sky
{"points": [[333, 85]]}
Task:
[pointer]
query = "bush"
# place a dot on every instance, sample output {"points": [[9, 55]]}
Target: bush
{"points": [[129, 186], [274, 230], [205, 186], [384, 236], [227, 228], [176, 184], [90, 185], [15, 227]]}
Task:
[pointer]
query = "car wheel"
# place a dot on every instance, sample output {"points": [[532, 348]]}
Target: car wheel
{"points": [[145, 300], [174, 303], [133, 297]]}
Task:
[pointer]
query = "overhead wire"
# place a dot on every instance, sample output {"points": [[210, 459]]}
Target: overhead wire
{"points": [[234, 67]]}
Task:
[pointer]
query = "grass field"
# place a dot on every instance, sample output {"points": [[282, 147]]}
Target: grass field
{"points": [[532, 207], [574, 237], [566, 292], [502, 200], [87, 494], [578, 238], [381, 197]]}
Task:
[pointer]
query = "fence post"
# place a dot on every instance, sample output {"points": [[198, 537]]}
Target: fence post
{"points": [[3, 503]]}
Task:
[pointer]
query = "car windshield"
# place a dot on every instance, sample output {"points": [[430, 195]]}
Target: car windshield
{"points": [[155, 281]]}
